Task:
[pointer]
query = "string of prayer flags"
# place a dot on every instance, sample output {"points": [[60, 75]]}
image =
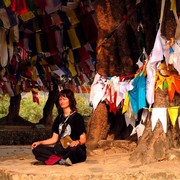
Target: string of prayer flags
{"points": [[161, 115], [49, 31]]}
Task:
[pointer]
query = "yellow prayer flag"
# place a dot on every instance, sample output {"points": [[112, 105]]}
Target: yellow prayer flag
{"points": [[38, 43], [173, 114], [34, 74], [71, 65], [7, 3], [126, 103], [173, 5], [27, 16], [72, 17], [74, 39]]}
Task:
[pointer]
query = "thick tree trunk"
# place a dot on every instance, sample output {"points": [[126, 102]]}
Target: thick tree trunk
{"points": [[119, 53], [97, 126], [154, 146], [13, 117], [113, 59]]}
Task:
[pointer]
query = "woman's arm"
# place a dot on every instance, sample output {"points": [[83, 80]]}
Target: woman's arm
{"points": [[80, 141], [49, 141]]}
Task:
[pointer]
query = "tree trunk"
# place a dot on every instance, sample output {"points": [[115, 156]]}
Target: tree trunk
{"points": [[97, 126], [154, 146], [113, 59], [119, 53], [13, 117], [47, 118]]}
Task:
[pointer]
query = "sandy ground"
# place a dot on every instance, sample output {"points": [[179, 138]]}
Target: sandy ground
{"points": [[16, 163]]}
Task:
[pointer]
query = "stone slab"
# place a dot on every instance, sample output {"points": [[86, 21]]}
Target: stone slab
{"points": [[16, 163]]}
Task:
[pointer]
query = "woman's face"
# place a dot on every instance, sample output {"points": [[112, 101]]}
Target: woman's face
{"points": [[63, 102]]}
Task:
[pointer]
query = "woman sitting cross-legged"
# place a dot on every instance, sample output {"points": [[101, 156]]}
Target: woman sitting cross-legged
{"points": [[69, 124]]}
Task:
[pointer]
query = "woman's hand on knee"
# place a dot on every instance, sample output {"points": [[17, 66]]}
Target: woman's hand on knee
{"points": [[74, 143], [35, 144]]}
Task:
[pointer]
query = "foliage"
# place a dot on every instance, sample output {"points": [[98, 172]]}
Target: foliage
{"points": [[4, 104], [83, 104], [33, 112]]}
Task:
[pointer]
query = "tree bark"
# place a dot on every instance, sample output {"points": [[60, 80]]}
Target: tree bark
{"points": [[113, 59], [152, 146], [119, 53], [97, 126], [47, 118]]}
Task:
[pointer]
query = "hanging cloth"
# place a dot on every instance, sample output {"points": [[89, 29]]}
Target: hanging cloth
{"points": [[71, 65], [56, 20], [47, 22], [178, 6], [52, 42], [173, 114], [27, 16], [161, 115], [9, 88], [72, 17], [59, 40], [35, 95], [38, 42], [52, 6], [13, 20], [7, 3], [19, 6], [138, 93], [84, 54], [80, 34], [156, 57], [65, 19], [4, 18], [44, 42], [40, 4], [75, 44], [3, 48], [98, 89]]}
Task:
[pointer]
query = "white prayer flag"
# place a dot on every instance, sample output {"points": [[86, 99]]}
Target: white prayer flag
{"points": [[159, 114]]}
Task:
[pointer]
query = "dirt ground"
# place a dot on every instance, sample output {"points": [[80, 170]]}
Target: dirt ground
{"points": [[16, 163]]}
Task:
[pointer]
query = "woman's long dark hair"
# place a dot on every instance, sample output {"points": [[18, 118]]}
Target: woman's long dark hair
{"points": [[70, 95]]}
